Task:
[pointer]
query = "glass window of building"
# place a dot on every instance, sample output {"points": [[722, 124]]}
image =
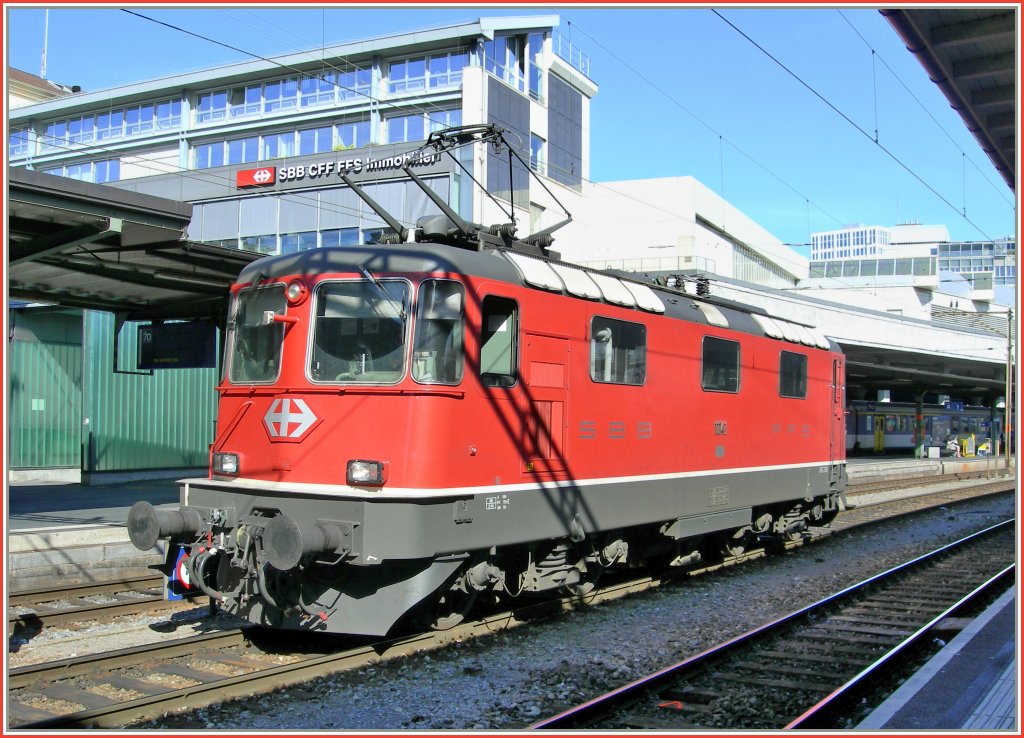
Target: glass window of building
{"points": [[264, 244], [280, 95], [212, 106], [340, 237], [18, 143], [505, 58], [80, 130], [168, 114], [243, 150], [107, 171], [353, 135], [536, 45], [245, 101], [402, 128], [445, 70], [317, 89], [407, 75], [292, 242], [55, 135], [209, 155], [81, 172], [441, 119], [278, 145], [316, 140], [110, 125], [138, 120], [538, 155], [355, 85]]}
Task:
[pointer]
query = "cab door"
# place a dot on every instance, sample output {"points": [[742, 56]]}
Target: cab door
{"points": [[545, 387]]}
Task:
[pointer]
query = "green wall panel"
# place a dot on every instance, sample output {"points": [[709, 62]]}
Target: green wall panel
{"points": [[158, 421], [44, 408]]}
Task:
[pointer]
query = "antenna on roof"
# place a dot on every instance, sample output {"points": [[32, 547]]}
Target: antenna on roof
{"points": [[46, 34]]}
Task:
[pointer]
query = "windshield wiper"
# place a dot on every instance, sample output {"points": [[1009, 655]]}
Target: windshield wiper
{"points": [[244, 298], [399, 308]]}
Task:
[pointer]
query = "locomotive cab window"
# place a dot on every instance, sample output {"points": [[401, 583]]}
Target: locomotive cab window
{"points": [[618, 351], [792, 375], [359, 332], [437, 352], [499, 344], [256, 342], [720, 366]]}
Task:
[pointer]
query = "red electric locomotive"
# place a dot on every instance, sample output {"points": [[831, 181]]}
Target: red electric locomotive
{"points": [[405, 427]]}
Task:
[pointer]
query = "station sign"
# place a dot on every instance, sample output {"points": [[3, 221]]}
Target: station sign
{"points": [[331, 169], [256, 177]]}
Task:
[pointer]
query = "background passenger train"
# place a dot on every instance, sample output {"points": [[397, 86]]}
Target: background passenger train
{"points": [[890, 427]]}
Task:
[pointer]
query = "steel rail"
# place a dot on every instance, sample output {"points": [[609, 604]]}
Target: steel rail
{"points": [[30, 597], [196, 696], [824, 713], [24, 676], [593, 710], [262, 680]]}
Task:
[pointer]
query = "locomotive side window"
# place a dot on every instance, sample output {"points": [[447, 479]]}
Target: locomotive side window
{"points": [[792, 375], [359, 332], [437, 351], [720, 368], [255, 342], [618, 351], [499, 342]]}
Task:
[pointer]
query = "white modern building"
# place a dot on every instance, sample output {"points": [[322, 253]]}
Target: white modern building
{"points": [[912, 269], [258, 147], [675, 224]]}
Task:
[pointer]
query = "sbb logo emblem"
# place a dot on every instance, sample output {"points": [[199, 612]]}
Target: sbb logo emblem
{"points": [[256, 177]]}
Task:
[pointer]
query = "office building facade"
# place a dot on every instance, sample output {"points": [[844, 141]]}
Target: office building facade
{"points": [[258, 148]]}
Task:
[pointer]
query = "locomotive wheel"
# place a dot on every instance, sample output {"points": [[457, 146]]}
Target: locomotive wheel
{"points": [[588, 581], [725, 544], [451, 609]]}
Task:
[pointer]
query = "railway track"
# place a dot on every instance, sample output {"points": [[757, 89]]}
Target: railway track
{"points": [[115, 688], [805, 670], [32, 610]]}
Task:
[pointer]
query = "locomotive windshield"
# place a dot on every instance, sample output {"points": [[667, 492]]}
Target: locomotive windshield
{"points": [[359, 332], [437, 354], [256, 342]]}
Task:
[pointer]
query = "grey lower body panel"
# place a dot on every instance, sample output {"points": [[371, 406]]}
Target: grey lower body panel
{"points": [[397, 529]]}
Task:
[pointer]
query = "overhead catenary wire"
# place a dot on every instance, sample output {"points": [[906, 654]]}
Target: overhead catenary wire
{"points": [[849, 120], [776, 258], [998, 190]]}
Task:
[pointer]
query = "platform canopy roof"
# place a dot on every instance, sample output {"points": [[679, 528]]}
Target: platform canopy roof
{"points": [[970, 52], [85, 245]]}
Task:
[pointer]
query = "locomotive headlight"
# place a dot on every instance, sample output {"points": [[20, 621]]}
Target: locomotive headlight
{"points": [[296, 292], [365, 473], [225, 463]]}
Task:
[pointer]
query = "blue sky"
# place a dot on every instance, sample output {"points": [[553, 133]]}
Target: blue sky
{"points": [[681, 92]]}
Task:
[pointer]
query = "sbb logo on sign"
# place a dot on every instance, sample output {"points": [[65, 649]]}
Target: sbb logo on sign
{"points": [[256, 177]]}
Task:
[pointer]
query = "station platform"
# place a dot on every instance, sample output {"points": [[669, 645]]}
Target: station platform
{"points": [[62, 533], [972, 683]]}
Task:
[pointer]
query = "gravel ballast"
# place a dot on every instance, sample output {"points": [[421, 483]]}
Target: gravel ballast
{"points": [[511, 679]]}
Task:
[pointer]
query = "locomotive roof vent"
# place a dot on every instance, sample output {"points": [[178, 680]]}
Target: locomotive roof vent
{"points": [[559, 277]]}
